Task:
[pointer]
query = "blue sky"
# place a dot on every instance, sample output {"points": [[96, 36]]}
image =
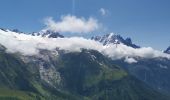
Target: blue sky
{"points": [[147, 22]]}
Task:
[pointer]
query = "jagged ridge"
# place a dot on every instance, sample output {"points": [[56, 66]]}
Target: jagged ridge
{"points": [[113, 38]]}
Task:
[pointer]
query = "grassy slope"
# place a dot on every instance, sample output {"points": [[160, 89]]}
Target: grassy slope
{"points": [[19, 81], [84, 78], [98, 79]]}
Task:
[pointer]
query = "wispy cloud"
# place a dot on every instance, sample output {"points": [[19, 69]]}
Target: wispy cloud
{"points": [[72, 24], [103, 11]]}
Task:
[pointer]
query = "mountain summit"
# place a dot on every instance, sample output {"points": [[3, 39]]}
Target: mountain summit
{"points": [[167, 50], [114, 38], [48, 33]]}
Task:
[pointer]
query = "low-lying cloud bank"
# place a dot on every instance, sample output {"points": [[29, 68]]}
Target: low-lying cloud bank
{"points": [[72, 24], [30, 45]]}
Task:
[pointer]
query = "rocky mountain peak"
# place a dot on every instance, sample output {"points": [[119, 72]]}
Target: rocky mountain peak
{"points": [[112, 38], [48, 33]]}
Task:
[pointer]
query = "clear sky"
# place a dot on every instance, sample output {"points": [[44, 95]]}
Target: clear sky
{"points": [[147, 22]]}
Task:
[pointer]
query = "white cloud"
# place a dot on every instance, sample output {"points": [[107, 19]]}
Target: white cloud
{"points": [[72, 24], [122, 51], [30, 45], [130, 60], [103, 11]]}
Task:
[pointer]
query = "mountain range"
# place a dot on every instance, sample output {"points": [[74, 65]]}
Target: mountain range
{"points": [[85, 74]]}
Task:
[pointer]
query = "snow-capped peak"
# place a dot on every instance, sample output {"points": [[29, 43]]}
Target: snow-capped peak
{"points": [[113, 38], [42, 33], [48, 33], [110, 35], [167, 50]]}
